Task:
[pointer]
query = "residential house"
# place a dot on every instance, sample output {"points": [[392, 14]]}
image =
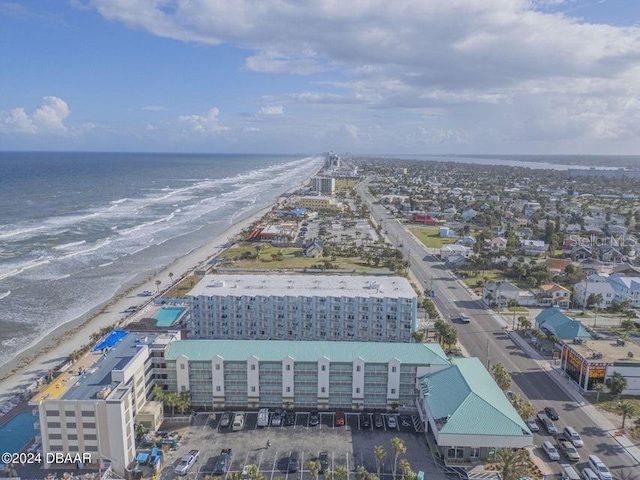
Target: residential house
{"points": [[497, 244], [533, 248], [467, 241], [312, 248], [469, 214], [499, 294], [626, 288], [610, 253], [554, 295], [591, 266], [557, 265], [553, 321], [627, 269], [582, 291], [451, 250]]}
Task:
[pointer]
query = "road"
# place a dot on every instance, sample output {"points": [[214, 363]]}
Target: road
{"points": [[485, 338]]}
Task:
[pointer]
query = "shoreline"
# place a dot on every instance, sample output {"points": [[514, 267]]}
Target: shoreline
{"points": [[47, 353]]}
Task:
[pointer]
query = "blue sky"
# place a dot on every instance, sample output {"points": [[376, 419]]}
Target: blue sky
{"points": [[364, 76]]}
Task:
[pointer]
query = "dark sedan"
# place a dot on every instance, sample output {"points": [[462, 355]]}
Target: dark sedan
{"points": [[552, 413]]}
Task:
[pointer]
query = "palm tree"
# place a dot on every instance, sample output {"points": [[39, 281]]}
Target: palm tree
{"points": [[599, 388], [399, 448], [626, 409], [341, 473], [234, 476], [361, 473], [526, 410], [254, 473], [524, 322], [512, 464], [170, 277], [380, 454], [158, 282], [405, 467], [314, 468]]}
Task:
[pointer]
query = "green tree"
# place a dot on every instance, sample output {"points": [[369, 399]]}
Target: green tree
{"points": [[617, 384], [341, 473], [626, 409], [361, 473], [512, 463], [405, 468], [399, 448], [158, 282], [381, 454], [314, 468], [501, 376], [524, 323], [526, 410], [254, 473], [170, 277], [418, 336]]}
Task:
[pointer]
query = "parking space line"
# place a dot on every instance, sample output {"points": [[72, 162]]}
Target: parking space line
{"points": [[260, 461], [273, 467]]}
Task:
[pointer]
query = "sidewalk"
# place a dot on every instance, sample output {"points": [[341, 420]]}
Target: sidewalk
{"points": [[569, 387]]}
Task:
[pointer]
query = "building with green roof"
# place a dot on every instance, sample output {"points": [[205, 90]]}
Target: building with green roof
{"points": [[554, 321], [467, 413], [300, 374]]}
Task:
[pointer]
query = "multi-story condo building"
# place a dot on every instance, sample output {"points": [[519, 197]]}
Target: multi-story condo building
{"points": [[626, 288], [290, 374], [323, 185], [92, 409], [303, 307], [317, 203], [332, 161]]}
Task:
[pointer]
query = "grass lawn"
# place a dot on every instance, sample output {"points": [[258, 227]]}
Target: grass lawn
{"points": [[346, 184], [473, 281], [609, 403], [513, 309], [266, 250], [430, 236], [180, 289], [346, 263]]}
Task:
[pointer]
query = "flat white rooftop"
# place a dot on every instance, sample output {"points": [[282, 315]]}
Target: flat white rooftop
{"points": [[303, 286]]}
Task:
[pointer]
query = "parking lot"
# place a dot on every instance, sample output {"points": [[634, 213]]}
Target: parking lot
{"points": [[347, 446]]}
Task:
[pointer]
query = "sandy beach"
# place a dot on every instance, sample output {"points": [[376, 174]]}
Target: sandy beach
{"points": [[52, 350]]}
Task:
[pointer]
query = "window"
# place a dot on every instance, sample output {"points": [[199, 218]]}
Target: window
{"points": [[253, 367], [475, 452], [358, 368], [394, 369], [217, 366], [182, 366], [393, 391], [218, 389], [323, 368], [55, 436], [71, 424], [72, 436], [288, 368], [253, 389], [322, 389], [70, 413], [288, 389], [53, 424], [357, 390], [183, 388], [89, 425], [90, 436]]}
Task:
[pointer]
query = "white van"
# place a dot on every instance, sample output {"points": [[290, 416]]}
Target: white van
{"points": [[263, 418], [238, 422], [573, 437], [568, 472]]}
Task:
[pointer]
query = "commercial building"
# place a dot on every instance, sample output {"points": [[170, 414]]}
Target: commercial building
{"points": [[467, 414], [323, 185], [92, 409], [290, 374], [303, 307], [319, 203]]}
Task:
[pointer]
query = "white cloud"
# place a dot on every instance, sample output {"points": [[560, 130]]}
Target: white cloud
{"points": [[272, 110], [503, 63], [48, 118], [207, 123], [153, 108]]}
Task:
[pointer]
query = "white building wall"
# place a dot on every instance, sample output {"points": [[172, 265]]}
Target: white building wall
{"points": [[357, 389], [182, 373], [217, 376], [393, 380], [120, 428], [631, 373], [323, 377], [287, 377], [253, 377]]}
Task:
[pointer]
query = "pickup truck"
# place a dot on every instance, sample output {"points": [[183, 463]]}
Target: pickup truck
{"points": [[566, 446], [224, 460]]}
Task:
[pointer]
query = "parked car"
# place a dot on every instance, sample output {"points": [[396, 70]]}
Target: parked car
{"points": [[238, 422], [548, 425], [392, 422], [340, 419], [223, 463], [323, 460], [550, 450], [377, 420], [598, 467], [573, 436], [365, 420], [131, 309], [533, 426], [588, 474], [187, 462], [289, 418], [293, 462], [565, 445], [552, 413], [314, 419], [276, 419], [225, 420]]}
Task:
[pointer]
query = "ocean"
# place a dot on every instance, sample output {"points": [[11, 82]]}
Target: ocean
{"points": [[76, 227]]}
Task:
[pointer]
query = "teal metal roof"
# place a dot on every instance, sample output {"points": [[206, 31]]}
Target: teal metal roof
{"points": [[474, 404], [308, 351], [564, 327]]}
